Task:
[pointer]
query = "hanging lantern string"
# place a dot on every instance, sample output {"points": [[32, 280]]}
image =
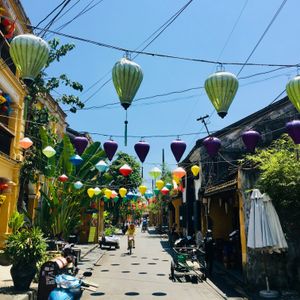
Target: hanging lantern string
{"points": [[126, 123], [152, 54]]}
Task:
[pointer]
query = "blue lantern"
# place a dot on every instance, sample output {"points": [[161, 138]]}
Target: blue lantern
{"points": [[78, 185], [101, 166], [148, 194], [76, 160], [130, 196]]}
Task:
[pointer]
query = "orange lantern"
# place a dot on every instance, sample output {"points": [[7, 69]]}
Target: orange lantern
{"points": [[179, 172], [25, 143]]}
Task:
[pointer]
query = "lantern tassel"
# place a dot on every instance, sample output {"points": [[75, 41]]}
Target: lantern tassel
{"points": [[125, 135]]}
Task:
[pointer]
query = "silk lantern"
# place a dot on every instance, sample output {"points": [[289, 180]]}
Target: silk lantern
{"points": [[221, 88], [155, 173], [80, 143], [91, 192], [142, 189], [122, 192], [127, 77], [76, 160], [178, 147], [148, 194], [293, 129], [179, 172], [250, 139], [156, 191], [142, 149], [293, 91], [49, 151], [101, 166], [63, 178], [29, 54], [107, 193], [160, 184], [169, 186], [25, 143], [212, 145], [114, 194], [110, 148], [129, 196], [78, 185], [195, 170], [125, 170], [97, 191], [165, 191]]}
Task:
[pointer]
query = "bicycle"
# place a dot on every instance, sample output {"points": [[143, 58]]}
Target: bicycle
{"points": [[130, 244]]}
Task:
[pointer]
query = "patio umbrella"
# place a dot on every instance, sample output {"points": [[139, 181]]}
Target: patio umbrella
{"points": [[265, 232]]}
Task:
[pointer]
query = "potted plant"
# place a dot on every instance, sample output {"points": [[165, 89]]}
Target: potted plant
{"points": [[25, 247]]}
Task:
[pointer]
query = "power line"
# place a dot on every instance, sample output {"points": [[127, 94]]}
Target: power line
{"points": [[156, 34], [52, 11], [263, 35]]}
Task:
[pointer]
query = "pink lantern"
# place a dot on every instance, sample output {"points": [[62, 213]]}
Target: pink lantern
{"points": [[63, 178], [125, 170], [179, 172], [25, 143]]}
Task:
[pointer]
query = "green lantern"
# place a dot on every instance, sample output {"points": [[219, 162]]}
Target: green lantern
{"points": [[156, 191], [221, 88], [29, 54], [293, 91], [127, 77]]}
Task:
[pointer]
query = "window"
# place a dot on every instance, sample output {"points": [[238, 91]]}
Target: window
{"points": [[5, 140]]}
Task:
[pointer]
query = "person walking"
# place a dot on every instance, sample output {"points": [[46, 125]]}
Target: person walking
{"points": [[209, 245]]}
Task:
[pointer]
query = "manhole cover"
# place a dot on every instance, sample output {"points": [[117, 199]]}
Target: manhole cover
{"points": [[159, 294], [97, 294], [135, 264], [133, 256], [165, 260], [160, 274], [155, 258], [104, 270], [143, 273], [125, 271], [131, 294], [114, 264], [151, 263], [144, 257]]}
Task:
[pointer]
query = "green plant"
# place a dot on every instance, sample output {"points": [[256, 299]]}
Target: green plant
{"points": [[110, 230], [16, 221], [26, 247]]}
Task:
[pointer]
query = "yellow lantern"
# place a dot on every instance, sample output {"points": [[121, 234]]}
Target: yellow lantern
{"points": [[142, 189], [91, 192], [160, 184], [107, 193], [122, 192], [195, 170]]}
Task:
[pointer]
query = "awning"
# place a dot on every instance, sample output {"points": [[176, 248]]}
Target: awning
{"points": [[220, 188]]}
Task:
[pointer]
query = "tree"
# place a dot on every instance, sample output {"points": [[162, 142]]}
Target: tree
{"points": [[41, 87], [280, 179]]}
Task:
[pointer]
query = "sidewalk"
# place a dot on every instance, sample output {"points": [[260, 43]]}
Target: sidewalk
{"points": [[7, 291]]}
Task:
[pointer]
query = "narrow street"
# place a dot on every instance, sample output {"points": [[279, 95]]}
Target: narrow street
{"points": [[144, 274]]}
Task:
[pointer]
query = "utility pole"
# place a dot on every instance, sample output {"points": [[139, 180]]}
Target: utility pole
{"points": [[202, 119]]}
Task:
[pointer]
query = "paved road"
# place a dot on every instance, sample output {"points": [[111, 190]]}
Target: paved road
{"points": [[143, 275]]}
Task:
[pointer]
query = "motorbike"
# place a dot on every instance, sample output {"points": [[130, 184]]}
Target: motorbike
{"points": [[144, 227]]}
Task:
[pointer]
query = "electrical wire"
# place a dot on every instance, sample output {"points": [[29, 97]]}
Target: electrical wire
{"points": [[263, 35], [84, 11]]}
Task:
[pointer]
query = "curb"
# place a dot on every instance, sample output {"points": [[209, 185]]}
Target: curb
{"points": [[89, 251]]}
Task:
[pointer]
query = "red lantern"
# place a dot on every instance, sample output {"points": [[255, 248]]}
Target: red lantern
{"points": [[3, 186], [125, 170], [165, 191], [63, 178]]}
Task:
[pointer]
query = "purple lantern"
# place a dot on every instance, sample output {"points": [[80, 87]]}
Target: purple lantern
{"points": [[250, 139], [110, 148], [142, 149], [212, 145], [178, 147], [293, 129], [80, 143]]}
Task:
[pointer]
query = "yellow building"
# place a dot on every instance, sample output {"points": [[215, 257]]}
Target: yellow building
{"points": [[11, 123]]}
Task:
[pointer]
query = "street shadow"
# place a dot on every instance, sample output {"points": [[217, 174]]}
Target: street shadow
{"points": [[166, 247]]}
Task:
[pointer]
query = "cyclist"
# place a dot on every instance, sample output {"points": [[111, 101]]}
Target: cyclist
{"points": [[131, 233], [144, 224]]}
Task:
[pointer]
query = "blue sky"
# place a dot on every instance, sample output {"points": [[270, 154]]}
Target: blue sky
{"points": [[201, 31]]}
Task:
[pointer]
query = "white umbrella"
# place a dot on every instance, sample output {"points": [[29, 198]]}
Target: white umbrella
{"points": [[264, 231]]}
